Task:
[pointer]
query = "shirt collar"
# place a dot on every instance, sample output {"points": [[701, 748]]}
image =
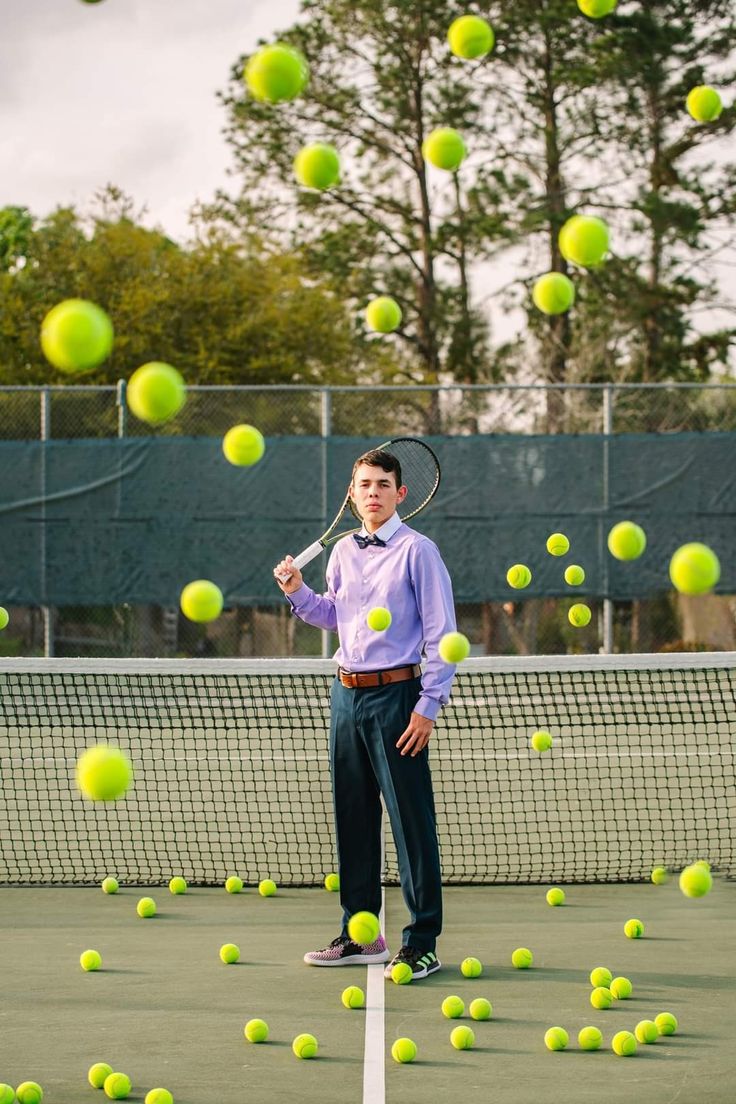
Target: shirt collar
{"points": [[387, 530]]}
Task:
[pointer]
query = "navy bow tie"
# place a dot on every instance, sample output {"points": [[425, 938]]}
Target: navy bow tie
{"points": [[363, 542]]}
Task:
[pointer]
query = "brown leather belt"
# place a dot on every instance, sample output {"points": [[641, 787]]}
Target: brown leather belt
{"points": [[360, 679]]}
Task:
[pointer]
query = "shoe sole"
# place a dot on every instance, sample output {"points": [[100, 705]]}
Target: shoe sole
{"points": [[425, 972], [351, 960]]}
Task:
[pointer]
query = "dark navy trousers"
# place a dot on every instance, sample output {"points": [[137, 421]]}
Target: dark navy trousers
{"points": [[365, 763]]}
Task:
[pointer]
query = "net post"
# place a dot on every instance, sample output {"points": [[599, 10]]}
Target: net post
{"points": [[47, 611], [607, 646]]}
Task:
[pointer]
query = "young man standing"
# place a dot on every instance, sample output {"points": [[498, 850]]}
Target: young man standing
{"points": [[383, 710]]}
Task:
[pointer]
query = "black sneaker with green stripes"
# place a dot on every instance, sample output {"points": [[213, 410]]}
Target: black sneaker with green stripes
{"points": [[421, 964]]}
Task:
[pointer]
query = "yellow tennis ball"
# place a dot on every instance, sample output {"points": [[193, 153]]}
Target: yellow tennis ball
{"points": [[156, 392], [696, 881], [383, 315], [177, 886], [704, 103], [627, 541], [646, 1031], [363, 928], [522, 958], [378, 619], [275, 74], [97, 1074], [110, 885], [444, 148], [694, 569], [621, 988], [146, 908], [234, 884], [453, 1007], [317, 166], [584, 240], [462, 1038], [353, 997], [601, 977], [454, 647], [470, 37], [666, 1023], [553, 293], [579, 615], [471, 967], [633, 929], [404, 1050], [518, 576], [555, 896], [480, 1009], [703, 863], [256, 1031], [558, 544], [402, 973], [4, 618], [201, 601], [623, 1043], [29, 1092], [267, 888], [76, 335], [103, 773], [601, 997], [159, 1096], [90, 961], [590, 1038], [117, 1086], [243, 445], [305, 1046], [332, 883], [660, 875], [229, 953], [541, 740], [596, 9], [556, 1038], [574, 575], [7, 1094]]}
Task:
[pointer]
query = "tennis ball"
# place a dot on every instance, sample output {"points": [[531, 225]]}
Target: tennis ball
{"points": [[159, 1096], [332, 883], [574, 575], [694, 569], [462, 1038], [243, 445], [627, 541], [621, 988], [470, 37], [90, 961], [696, 881], [117, 1086], [633, 929], [177, 886], [541, 740], [589, 1038], [480, 1009], [97, 1074], [156, 392], [76, 335], [110, 885], [383, 315], [353, 997], [558, 544], [146, 908], [404, 1050], [453, 1007], [579, 615], [601, 977], [646, 1031], [555, 896], [454, 647], [522, 958], [402, 973], [276, 73], [601, 997], [317, 166], [305, 1046], [596, 9], [660, 875], [584, 240], [201, 601], [444, 148], [378, 619], [623, 1043], [4, 618], [267, 888], [518, 576], [553, 293], [229, 953], [556, 1038], [471, 967], [7, 1094], [363, 928], [30, 1092], [103, 773], [704, 104], [703, 863], [234, 884], [666, 1023], [256, 1031]]}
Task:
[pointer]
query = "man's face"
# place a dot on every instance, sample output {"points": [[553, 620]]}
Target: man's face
{"points": [[375, 494]]}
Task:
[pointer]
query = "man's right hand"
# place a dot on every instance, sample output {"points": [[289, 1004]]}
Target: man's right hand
{"points": [[286, 567]]}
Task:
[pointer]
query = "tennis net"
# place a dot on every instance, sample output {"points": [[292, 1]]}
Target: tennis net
{"points": [[232, 772]]}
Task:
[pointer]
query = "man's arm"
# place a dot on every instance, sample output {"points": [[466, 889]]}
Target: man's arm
{"points": [[312, 608], [433, 589]]}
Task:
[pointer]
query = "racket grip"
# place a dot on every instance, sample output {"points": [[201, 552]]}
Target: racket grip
{"points": [[304, 558]]}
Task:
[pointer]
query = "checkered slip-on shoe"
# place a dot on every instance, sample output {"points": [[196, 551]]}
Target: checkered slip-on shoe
{"points": [[421, 964], [343, 952]]}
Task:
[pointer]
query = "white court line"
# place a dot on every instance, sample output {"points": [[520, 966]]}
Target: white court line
{"points": [[374, 1062]]}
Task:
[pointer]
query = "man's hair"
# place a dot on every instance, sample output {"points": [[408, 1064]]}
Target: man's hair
{"points": [[379, 458]]}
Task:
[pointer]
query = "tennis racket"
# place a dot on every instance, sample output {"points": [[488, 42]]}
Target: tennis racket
{"points": [[420, 472]]}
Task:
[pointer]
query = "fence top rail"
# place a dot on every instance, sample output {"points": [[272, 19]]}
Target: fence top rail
{"points": [[358, 387]]}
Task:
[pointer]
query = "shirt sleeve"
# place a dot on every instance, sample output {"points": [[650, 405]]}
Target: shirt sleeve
{"points": [[433, 591], [318, 609]]}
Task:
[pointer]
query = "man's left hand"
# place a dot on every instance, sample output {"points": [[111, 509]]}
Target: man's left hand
{"points": [[416, 735]]}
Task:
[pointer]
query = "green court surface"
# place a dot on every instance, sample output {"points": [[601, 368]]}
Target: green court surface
{"points": [[167, 1012]]}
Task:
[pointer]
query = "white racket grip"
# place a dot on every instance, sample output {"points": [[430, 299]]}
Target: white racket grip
{"points": [[304, 558]]}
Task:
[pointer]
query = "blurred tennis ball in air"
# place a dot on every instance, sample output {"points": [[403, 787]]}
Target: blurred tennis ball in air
{"points": [[404, 1050], [243, 445], [76, 335], [453, 1007], [627, 541], [522, 958], [159, 1096], [666, 1023], [557, 544], [480, 1009], [117, 1086], [305, 1046], [444, 148], [584, 240], [462, 1038], [555, 896], [177, 886], [454, 647], [332, 883], [201, 601], [97, 1073], [646, 1031], [7, 1094], [556, 1038], [541, 740], [267, 887], [378, 619], [633, 929], [590, 1038], [4, 618], [383, 314], [659, 875], [696, 880], [103, 773], [574, 575], [402, 973], [110, 885], [601, 997], [146, 908], [353, 997], [623, 1043], [621, 988], [694, 569], [90, 961], [553, 293], [470, 37], [601, 977], [156, 392], [317, 166], [363, 928], [275, 74], [256, 1031], [234, 884], [518, 576], [229, 953], [29, 1092], [596, 9], [579, 615], [704, 104]]}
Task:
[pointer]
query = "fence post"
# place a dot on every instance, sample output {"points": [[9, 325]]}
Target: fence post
{"points": [[326, 430], [608, 432], [47, 611]]}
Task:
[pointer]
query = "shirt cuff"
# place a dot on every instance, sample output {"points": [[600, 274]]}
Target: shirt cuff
{"points": [[297, 597], [428, 707]]}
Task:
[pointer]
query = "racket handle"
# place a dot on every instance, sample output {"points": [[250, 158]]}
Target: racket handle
{"points": [[304, 558]]}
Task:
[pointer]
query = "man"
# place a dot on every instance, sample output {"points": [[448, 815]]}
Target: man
{"points": [[383, 710]]}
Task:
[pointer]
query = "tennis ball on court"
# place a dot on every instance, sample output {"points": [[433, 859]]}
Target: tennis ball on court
{"points": [[234, 884], [177, 886], [555, 896], [275, 74], [666, 1023], [229, 953], [623, 1043], [402, 973], [574, 575], [256, 1031], [353, 997], [4, 618], [589, 1038], [243, 445], [7, 1094], [471, 967], [480, 1009], [30, 1092], [462, 1038], [703, 863], [201, 601], [363, 928], [704, 104], [601, 997], [553, 293], [660, 875], [453, 1007], [404, 1050], [76, 335], [90, 961], [117, 1086], [470, 37], [305, 1046], [601, 977], [596, 9], [694, 569], [541, 740], [558, 544], [584, 240], [621, 988], [378, 619], [518, 576], [556, 1038], [383, 315], [454, 647], [646, 1031], [110, 885], [627, 541], [579, 615], [522, 958], [146, 908], [317, 166], [156, 392], [159, 1096], [97, 1074], [267, 888], [633, 929], [696, 881], [332, 883], [103, 773], [444, 148]]}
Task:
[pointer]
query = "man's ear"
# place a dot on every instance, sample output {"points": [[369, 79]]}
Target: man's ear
{"points": [[402, 493]]}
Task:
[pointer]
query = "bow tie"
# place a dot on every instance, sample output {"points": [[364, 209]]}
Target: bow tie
{"points": [[363, 542]]}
